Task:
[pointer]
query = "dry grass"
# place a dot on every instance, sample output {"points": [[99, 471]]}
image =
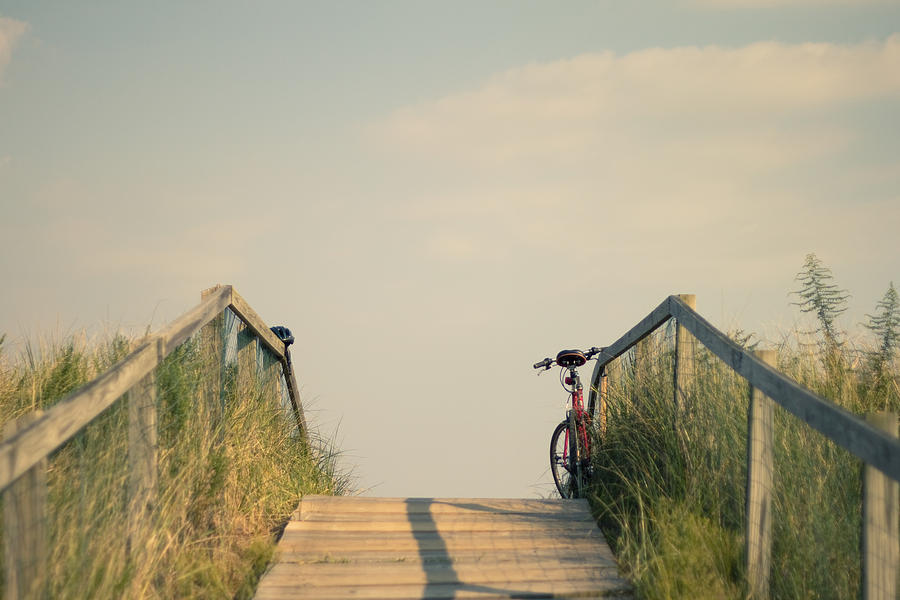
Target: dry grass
{"points": [[671, 487], [231, 470]]}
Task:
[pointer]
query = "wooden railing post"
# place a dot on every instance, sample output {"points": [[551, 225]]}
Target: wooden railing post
{"points": [[640, 366], [142, 453], [25, 525], [247, 364], [684, 359], [760, 466], [603, 396], [213, 349], [293, 393], [880, 542]]}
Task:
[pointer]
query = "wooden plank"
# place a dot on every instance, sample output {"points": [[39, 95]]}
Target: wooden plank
{"points": [[342, 541], [28, 446], [351, 504], [880, 541], [25, 525], [683, 375], [875, 447], [760, 468], [441, 548], [521, 555], [429, 525], [399, 573], [256, 324], [583, 519], [142, 453], [495, 590]]}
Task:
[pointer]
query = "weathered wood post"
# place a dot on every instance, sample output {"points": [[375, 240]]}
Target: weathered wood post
{"points": [[880, 542], [213, 350], [760, 466], [142, 455], [247, 361], [25, 525], [273, 375], [684, 359], [640, 365], [603, 395], [293, 393]]}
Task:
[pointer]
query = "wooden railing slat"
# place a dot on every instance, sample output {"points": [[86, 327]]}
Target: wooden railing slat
{"points": [[645, 327], [840, 426], [192, 321], [23, 450], [62, 421], [255, 322]]}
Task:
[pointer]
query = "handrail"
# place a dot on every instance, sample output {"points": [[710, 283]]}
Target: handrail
{"points": [[867, 443], [60, 423]]}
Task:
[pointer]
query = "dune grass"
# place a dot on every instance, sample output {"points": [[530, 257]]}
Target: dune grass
{"points": [[230, 472], [670, 488]]}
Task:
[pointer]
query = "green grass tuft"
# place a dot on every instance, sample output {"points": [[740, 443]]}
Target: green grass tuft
{"points": [[231, 470], [670, 488]]}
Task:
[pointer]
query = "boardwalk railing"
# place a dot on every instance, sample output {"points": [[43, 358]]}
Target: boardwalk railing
{"points": [[874, 443], [30, 440]]}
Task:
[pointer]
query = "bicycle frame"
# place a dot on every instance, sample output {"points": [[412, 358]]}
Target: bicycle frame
{"points": [[582, 418], [570, 443]]}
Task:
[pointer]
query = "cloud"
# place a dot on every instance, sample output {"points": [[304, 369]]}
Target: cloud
{"points": [[10, 32], [772, 3], [566, 106], [657, 153]]}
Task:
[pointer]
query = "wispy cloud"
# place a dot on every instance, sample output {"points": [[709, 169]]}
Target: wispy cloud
{"points": [[567, 106], [710, 145], [774, 3], [10, 32]]}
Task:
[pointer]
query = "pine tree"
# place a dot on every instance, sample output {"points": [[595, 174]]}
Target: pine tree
{"points": [[886, 325], [821, 296]]}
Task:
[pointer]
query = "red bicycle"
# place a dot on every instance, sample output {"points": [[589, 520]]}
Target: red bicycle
{"points": [[570, 444]]}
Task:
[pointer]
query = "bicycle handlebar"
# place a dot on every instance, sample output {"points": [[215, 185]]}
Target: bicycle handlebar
{"points": [[549, 362]]}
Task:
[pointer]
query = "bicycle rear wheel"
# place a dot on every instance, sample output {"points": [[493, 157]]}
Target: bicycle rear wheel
{"points": [[563, 463]]}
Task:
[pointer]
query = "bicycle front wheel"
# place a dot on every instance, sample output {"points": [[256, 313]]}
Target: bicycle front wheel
{"points": [[562, 461]]}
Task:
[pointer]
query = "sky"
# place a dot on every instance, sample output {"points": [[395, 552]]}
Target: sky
{"points": [[434, 196]]}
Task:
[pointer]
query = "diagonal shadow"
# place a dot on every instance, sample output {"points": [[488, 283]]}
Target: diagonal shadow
{"points": [[435, 557]]}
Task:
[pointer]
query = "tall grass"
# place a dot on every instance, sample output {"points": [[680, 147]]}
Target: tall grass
{"points": [[231, 469], [670, 486]]}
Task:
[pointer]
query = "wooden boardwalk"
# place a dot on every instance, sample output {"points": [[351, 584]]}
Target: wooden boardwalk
{"points": [[406, 548]]}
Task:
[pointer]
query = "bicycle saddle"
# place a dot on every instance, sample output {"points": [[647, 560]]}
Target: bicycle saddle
{"points": [[570, 358]]}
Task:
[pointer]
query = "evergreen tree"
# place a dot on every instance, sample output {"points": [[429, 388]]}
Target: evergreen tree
{"points": [[886, 325], [822, 297], [819, 295]]}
